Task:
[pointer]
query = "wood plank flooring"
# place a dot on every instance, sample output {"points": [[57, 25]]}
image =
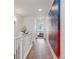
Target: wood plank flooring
{"points": [[40, 50]]}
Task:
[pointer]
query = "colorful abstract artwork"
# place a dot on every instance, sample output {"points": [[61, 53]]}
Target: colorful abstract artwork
{"points": [[54, 27]]}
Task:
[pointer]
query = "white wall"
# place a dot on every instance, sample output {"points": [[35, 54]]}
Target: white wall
{"points": [[19, 23], [29, 23]]}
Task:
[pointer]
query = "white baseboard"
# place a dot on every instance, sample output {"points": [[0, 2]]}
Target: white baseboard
{"points": [[26, 54]]}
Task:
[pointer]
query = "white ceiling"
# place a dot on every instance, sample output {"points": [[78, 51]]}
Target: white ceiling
{"points": [[30, 7]]}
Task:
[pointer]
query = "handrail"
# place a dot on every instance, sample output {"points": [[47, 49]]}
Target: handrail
{"points": [[18, 37], [22, 40]]}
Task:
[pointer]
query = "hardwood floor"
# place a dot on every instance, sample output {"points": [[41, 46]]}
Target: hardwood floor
{"points": [[40, 50]]}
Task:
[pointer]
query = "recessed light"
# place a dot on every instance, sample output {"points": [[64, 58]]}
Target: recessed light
{"points": [[39, 9]]}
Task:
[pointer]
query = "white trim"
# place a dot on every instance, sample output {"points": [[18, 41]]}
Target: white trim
{"points": [[62, 29], [53, 54], [25, 55]]}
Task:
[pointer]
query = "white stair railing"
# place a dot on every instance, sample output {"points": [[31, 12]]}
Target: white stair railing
{"points": [[22, 44]]}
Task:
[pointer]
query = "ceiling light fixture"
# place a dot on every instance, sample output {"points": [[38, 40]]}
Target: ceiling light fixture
{"points": [[39, 9]]}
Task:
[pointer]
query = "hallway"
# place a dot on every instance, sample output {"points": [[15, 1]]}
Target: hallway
{"points": [[36, 19], [40, 50]]}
